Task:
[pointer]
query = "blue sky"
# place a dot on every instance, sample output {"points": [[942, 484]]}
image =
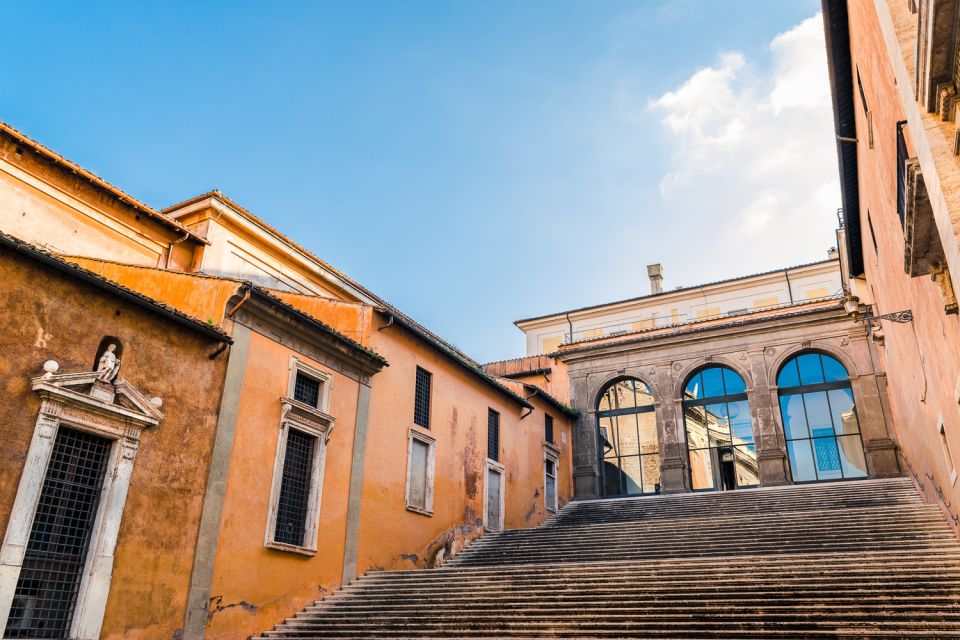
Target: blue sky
{"points": [[472, 163]]}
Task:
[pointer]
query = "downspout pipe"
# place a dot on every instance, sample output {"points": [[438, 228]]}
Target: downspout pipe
{"points": [[786, 274]]}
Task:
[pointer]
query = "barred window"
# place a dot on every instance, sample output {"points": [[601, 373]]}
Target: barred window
{"points": [[292, 505], [306, 389], [548, 428], [421, 400], [493, 435]]}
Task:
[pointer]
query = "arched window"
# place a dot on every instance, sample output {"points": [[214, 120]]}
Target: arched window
{"points": [[820, 419], [627, 439], [719, 431]]}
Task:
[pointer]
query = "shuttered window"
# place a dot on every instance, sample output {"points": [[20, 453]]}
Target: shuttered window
{"points": [[548, 428], [419, 456], [421, 401], [550, 488], [493, 435], [292, 505]]}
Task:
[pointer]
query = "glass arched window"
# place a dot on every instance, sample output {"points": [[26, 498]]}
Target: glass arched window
{"points": [[627, 439], [820, 420], [719, 431]]}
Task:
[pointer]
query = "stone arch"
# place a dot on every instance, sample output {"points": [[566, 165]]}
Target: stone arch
{"points": [[595, 390], [814, 347], [628, 437], [680, 380]]}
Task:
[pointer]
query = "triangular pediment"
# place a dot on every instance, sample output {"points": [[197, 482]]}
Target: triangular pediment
{"points": [[84, 388]]}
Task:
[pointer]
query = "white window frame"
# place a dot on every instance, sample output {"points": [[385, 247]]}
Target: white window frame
{"points": [[493, 465], [79, 401], [551, 454], [312, 421], [947, 453], [323, 377], [431, 442]]}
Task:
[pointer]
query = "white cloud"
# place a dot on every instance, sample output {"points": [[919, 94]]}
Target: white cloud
{"points": [[754, 150]]}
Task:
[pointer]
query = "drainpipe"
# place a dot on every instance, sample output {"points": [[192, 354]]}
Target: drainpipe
{"points": [[786, 274], [170, 249], [246, 296], [570, 325]]}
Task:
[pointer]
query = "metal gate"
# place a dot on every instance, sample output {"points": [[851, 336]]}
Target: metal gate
{"points": [[46, 592]]}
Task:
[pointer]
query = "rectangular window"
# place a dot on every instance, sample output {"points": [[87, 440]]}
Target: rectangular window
{"points": [[901, 172], [421, 457], [46, 591], [493, 435], [947, 453], [421, 400], [293, 503], [306, 389], [548, 428], [550, 484]]}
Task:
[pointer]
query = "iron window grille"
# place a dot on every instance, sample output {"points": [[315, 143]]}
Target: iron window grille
{"points": [[421, 401], [292, 505], [548, 428], [306, 390], [493, 435], [46, 591]]}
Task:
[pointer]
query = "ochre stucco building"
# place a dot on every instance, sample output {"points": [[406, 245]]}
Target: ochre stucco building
{"points": [[346, 436]]}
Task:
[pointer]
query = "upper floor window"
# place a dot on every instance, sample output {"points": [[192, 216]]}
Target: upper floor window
{"points": [[820, 419], [421, 399], [716, 419], [548, 428], [309, 385], [493, 435]]}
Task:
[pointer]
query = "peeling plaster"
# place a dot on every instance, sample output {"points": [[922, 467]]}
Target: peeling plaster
{"points": [[217, 607]]}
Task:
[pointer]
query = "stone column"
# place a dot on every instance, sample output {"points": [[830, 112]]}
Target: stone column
{"points": [[586, 474], [879, 446], [771, 454], [673, 460]]}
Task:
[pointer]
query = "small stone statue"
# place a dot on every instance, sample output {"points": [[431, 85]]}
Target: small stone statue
{"points": [[109, 365]]}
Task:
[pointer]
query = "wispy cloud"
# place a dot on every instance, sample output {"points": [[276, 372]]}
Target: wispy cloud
{"points": [[758, 140]]}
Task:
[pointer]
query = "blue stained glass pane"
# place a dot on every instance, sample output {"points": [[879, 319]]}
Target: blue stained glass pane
{"points": [[712, 382], [810, 370], [833, 371], [794, 417], [695, 388], [801, 461], [733, 382], [789, 376]]}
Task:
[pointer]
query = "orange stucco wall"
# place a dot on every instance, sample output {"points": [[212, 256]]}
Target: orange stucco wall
{"points": [[255, 587], [49, 315], [922, 358]]}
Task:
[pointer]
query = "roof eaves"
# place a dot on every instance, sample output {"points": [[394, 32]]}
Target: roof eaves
{"points": [[96, 180], [689, 329], [95, 279], [537, 391], [366, 353], [836, 27], [452, 353], [652, 296]]}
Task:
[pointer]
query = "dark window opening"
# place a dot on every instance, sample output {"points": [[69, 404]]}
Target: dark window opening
{"points": [[293, 502], [306, 390], [493, 435], [548, 428], [421, 400], [901, 172], [46, 591]]}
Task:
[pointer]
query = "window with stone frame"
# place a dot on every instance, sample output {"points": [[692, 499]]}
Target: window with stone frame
{"points": [[421, 460], [550, 473], [296, 490]]}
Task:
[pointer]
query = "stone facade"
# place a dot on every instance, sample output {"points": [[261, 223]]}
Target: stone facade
{"points": [[756, 350]]}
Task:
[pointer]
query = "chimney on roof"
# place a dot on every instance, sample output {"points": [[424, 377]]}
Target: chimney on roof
{"points": [[655, 271]]}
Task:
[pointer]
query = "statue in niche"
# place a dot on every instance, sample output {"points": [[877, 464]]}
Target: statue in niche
{"points": [[109, 365]]}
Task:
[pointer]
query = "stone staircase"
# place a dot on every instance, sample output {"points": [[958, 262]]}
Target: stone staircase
{"points": [[865, 559]]}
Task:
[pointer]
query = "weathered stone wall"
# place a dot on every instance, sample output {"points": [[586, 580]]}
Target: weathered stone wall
{"points": [[50, 315], [756, 351]]}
